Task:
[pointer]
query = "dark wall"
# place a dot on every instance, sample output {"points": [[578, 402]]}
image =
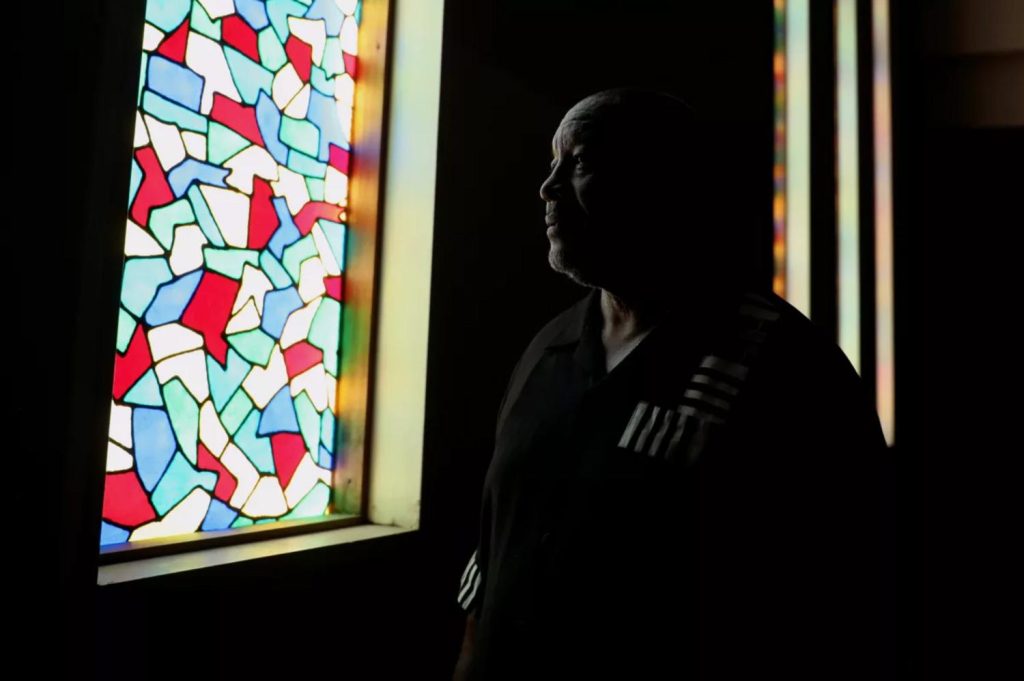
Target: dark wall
{"points": [[958, 109], [510, 69]]}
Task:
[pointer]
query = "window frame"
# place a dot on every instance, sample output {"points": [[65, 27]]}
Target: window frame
{"points": [[382, 491]]}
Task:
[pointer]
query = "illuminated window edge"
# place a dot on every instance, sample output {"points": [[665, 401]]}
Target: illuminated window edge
{"points": [[884, 301], [400, 373], [146, 568], [848, 181], [797, 155]]}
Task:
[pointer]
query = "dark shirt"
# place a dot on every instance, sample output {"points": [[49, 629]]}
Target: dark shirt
{"points": [[708, 508]]}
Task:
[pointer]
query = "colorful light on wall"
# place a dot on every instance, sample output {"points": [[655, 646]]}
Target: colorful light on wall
{"points": [[228, 344], [779, 166], [791, 210]]}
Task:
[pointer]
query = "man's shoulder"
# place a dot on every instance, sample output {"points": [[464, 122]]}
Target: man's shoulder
{"points": [[802, 372], [790, 320], [799, 343], [564, 328]]}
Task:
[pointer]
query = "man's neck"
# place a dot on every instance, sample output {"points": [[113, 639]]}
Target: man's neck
{"points": [[626, 318], [628, 315]]}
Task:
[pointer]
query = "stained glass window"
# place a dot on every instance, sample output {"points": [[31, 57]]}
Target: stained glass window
{"points": [[225, 378]]}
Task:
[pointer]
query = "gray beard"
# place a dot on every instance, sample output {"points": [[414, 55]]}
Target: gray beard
{"points": [[576, 275]]}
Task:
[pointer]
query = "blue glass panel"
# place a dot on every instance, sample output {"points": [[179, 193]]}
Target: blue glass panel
{"points": [[254, 12], [277, 305], [112, 534], [174, 81], [279, 416], [154, 444], [219, 516], [172, 299], [189, 171]]}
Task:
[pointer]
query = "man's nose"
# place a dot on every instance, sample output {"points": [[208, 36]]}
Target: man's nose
{"points": [[551, 186]]}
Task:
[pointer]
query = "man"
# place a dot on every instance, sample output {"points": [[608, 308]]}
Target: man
{"points": [[686, 471]]}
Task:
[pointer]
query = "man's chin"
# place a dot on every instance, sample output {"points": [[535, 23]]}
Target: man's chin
{"points": [[559, 263]]}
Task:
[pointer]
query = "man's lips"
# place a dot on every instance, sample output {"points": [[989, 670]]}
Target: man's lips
{"points": [[558, 225]]}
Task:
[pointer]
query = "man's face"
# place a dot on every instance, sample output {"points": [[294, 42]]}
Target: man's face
{"points": [[579, 192], [601, 198], [626, 208]]}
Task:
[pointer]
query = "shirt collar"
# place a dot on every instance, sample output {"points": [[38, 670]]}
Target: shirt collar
{"points": [[585, 319], [581, 318]]}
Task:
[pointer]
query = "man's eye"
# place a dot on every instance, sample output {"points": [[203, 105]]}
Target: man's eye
{"points": [[581, 160]]}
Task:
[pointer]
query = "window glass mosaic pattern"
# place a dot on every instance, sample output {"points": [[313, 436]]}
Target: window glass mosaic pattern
{"points": [[223, 406]]}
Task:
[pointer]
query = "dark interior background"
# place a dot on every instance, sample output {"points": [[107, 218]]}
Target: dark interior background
{"points": [[958, 127], [387, 609]]}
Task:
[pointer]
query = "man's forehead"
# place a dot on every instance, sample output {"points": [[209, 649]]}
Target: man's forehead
{"points": [[589, 121], [576, 130]]}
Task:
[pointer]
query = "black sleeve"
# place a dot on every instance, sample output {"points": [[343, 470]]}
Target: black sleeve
{"points": [[471, 585], [474, 577]]}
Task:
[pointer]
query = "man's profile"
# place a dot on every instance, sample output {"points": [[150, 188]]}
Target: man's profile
{"points": [[685, 473]]}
